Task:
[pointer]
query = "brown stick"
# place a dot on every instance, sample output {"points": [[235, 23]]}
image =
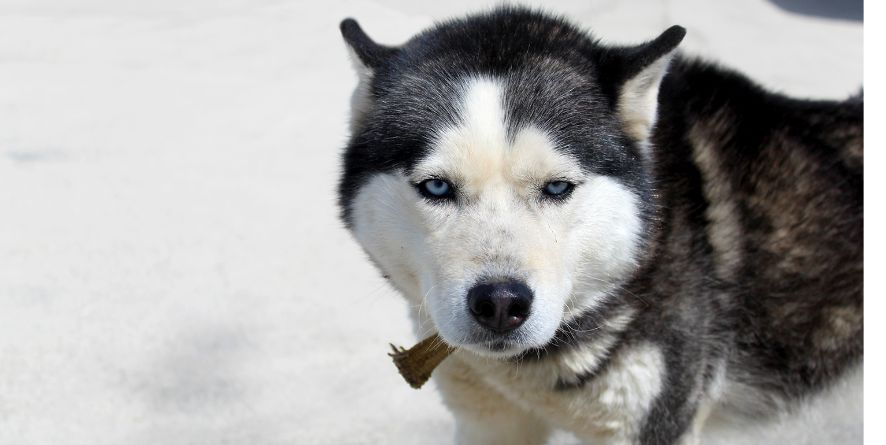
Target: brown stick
{"points": [[418, 362]]}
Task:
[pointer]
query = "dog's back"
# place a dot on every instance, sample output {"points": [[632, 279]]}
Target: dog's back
{"points": [[778, 182]]}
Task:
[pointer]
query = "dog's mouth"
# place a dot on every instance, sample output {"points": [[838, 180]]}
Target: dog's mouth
{"points": [[497, 347]]}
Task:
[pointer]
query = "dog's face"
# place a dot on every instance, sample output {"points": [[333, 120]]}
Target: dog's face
{"points": [[503, 202]]}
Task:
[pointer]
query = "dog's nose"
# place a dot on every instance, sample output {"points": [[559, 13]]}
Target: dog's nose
{"points": [[500, 306]]}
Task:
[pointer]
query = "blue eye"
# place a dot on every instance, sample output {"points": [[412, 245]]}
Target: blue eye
{"points": [[558, 189], [435, 189]]}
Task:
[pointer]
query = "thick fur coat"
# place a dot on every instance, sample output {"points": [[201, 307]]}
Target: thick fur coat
{"points": [[618, 240]]}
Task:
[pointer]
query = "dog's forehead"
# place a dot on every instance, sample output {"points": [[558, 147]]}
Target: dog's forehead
{"points": [[536, 94], [484, 144]]}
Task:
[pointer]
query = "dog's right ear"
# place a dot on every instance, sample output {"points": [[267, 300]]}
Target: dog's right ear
{"points": [[368, 53], [366, 56]]}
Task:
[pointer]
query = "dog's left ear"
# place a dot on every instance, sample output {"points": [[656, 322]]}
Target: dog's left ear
{"points": [[632, 75]]}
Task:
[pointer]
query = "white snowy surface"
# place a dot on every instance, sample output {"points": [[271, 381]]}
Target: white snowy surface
{"points": [[171, 267]]}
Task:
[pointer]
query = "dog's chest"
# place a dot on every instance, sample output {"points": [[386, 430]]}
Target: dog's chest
{"points": [[570, 392]]}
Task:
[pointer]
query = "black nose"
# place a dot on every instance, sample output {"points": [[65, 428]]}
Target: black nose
{"points": [[500, 306]]}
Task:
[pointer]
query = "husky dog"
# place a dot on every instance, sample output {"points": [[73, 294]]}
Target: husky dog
{"points": [[616, 239]]}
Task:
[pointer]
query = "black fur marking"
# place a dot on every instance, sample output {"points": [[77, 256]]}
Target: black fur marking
{"points": [[619, 64], [369, 52]]}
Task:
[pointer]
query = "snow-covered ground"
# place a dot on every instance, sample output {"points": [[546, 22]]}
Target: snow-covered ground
{"points": [[171, 267]]}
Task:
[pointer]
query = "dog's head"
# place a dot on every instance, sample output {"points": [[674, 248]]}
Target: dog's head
{"points": [[497, 171]]}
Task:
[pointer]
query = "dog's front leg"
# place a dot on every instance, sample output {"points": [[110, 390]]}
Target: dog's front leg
{"points": [[482, 415]]}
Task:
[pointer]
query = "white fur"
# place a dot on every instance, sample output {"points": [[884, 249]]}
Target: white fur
{"points": [[609, 409], [361, 101], [709, 399], [484, 415], [638, 99], [586, 357]]}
